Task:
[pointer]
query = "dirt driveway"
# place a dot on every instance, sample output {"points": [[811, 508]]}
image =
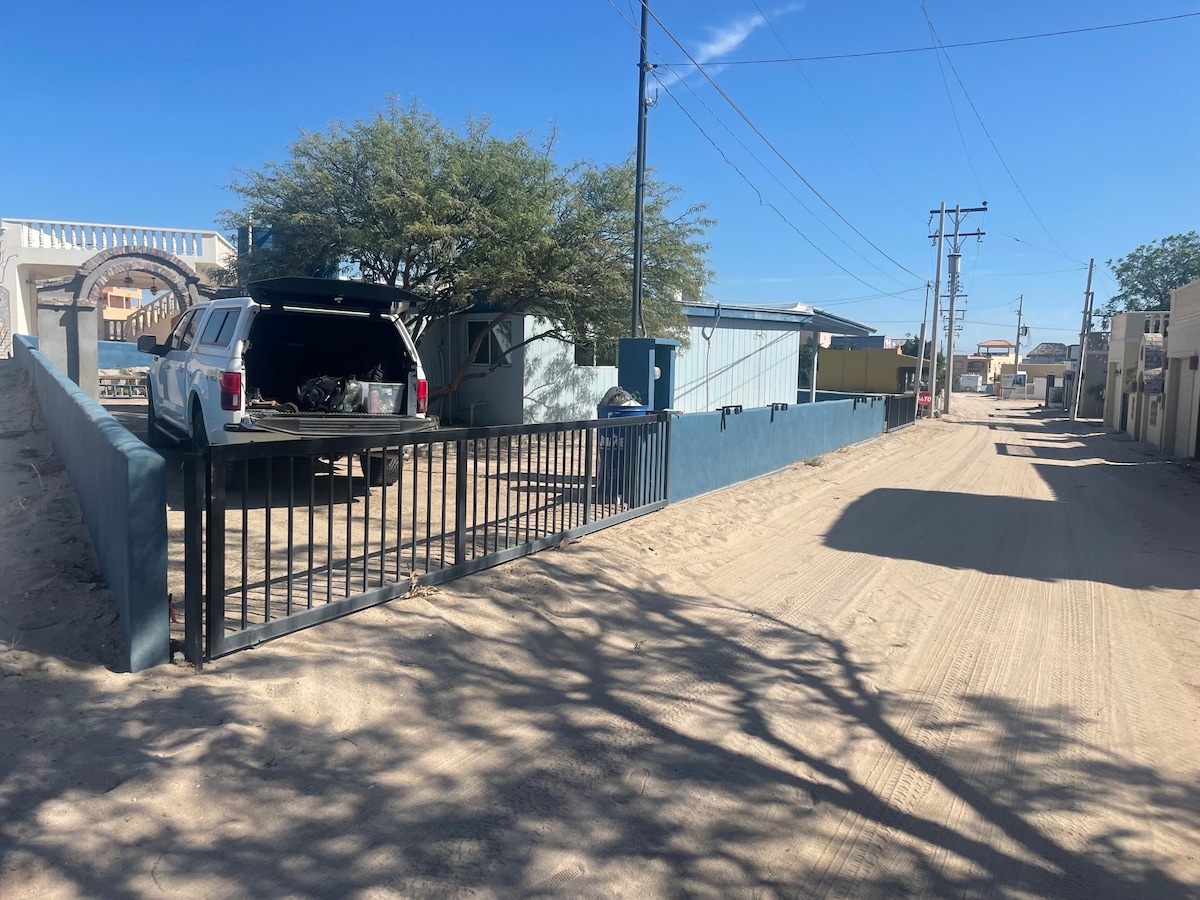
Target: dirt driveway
{"points": [[959, 660]]}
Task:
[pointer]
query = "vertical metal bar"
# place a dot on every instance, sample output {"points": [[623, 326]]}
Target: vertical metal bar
{"points": [[508, 484], [416, 457], [666, 457], [520, 489], [312, 503], [193, 564], [329, 542], [366, 512], [555, 489], [428, 501], [442, 523], [487, 449], [215, 568], [460, 502], [267, 532], [349, 521], [400, 505], [474, 497], [589, 449], [291, 528], [383, 511], [539, 508], [245, 532]]}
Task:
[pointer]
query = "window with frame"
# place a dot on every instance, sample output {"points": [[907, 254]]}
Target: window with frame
{"points": [[189, 333], [219, 329], [596, 353], [175, 339], [495, 347]]}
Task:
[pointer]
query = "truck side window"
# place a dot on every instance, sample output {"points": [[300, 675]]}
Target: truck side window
{"points": [[220, 327], [189, 333], [176, 336]]}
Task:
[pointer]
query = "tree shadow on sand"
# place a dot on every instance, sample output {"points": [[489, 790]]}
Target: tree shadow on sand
{"points": [[551, 743]]}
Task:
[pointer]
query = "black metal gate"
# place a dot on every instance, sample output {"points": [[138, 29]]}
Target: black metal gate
{"points": [[283, 534], [901, 411]]}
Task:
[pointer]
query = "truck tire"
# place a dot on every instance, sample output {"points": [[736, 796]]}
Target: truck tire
{"points": [[199, 432], [154, 435], [379, 473]]}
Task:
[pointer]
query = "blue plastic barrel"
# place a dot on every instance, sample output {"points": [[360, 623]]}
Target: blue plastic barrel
{"points": [[612, 474]]}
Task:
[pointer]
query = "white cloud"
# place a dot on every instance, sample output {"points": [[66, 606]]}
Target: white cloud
{"points": [[725, 39]]}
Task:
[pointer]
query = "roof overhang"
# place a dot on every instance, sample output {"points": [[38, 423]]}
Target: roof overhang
{"points": [[793, 318]]}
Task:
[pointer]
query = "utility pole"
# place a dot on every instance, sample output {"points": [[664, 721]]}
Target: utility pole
{"points": [[1083, 332], [1017, 349], [954, 261], [921, 345], [639, 199], [935, 323]]}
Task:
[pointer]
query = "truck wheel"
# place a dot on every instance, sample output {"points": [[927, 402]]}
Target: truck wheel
{"points": [[379, 474], [154, 435], [199, 432]]}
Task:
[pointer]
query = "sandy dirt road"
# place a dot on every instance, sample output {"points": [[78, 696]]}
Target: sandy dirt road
{"points": [[957, 661]]}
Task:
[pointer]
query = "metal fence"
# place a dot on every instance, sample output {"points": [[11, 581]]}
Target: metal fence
{"points": [[284, 534], [901, 411]]}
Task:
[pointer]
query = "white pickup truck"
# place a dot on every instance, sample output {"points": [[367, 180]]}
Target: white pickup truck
{"points": [[242, 363]]}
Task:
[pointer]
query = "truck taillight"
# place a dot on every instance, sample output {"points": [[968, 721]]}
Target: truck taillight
{"points": [[422, 395], [231, 390]]}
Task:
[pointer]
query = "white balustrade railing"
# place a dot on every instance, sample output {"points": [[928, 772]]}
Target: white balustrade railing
{"points": [[93, 237]]}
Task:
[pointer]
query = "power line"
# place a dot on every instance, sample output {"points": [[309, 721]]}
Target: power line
{"points": [[982, 43], [988, 134], [1026, 243], [825, 105], [761, 201], [745, 118], [953, 110], [768, 170]]}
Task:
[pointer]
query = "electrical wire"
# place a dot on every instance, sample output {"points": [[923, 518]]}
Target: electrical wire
{"points": [[988, 134], [961, 44], [745, 118], [953, 109], [770, 172], [836, 120], [1042, 249], [761, 201], [765, 168]]}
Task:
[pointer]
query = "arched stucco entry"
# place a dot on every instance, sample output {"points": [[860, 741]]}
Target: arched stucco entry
{"points": [[178, 277]]}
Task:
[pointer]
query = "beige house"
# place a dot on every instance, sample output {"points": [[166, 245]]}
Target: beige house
{"points": [[1124, 353], [1181, 399]]}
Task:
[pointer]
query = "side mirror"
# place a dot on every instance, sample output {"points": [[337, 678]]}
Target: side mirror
{"points": [[148, 343]]}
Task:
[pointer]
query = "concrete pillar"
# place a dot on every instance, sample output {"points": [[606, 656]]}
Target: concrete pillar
{"points": [[68, 337]]}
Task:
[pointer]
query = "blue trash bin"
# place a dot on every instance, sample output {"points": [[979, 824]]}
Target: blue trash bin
{"points": [[613, 473]]}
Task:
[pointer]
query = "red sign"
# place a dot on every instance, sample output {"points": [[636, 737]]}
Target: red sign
{"points": [[924, 398]]}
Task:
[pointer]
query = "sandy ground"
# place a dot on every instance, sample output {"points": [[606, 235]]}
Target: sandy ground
{"points": [[956, 661]]}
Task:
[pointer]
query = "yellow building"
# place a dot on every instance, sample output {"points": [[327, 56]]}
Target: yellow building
{"points": [[866, 371]]}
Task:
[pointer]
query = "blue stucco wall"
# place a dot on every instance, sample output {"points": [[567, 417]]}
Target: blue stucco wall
{"points": [[704, 457], [121, 485], [112, 354]]}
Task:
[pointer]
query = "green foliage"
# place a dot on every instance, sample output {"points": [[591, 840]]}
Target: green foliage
{"points": [[464, 216], [1147, 276]]}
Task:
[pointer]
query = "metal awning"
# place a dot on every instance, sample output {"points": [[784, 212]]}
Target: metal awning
{"points": [[794, 318]]}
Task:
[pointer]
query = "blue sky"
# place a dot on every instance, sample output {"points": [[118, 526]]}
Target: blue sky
{"points": [[141, 115]]}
